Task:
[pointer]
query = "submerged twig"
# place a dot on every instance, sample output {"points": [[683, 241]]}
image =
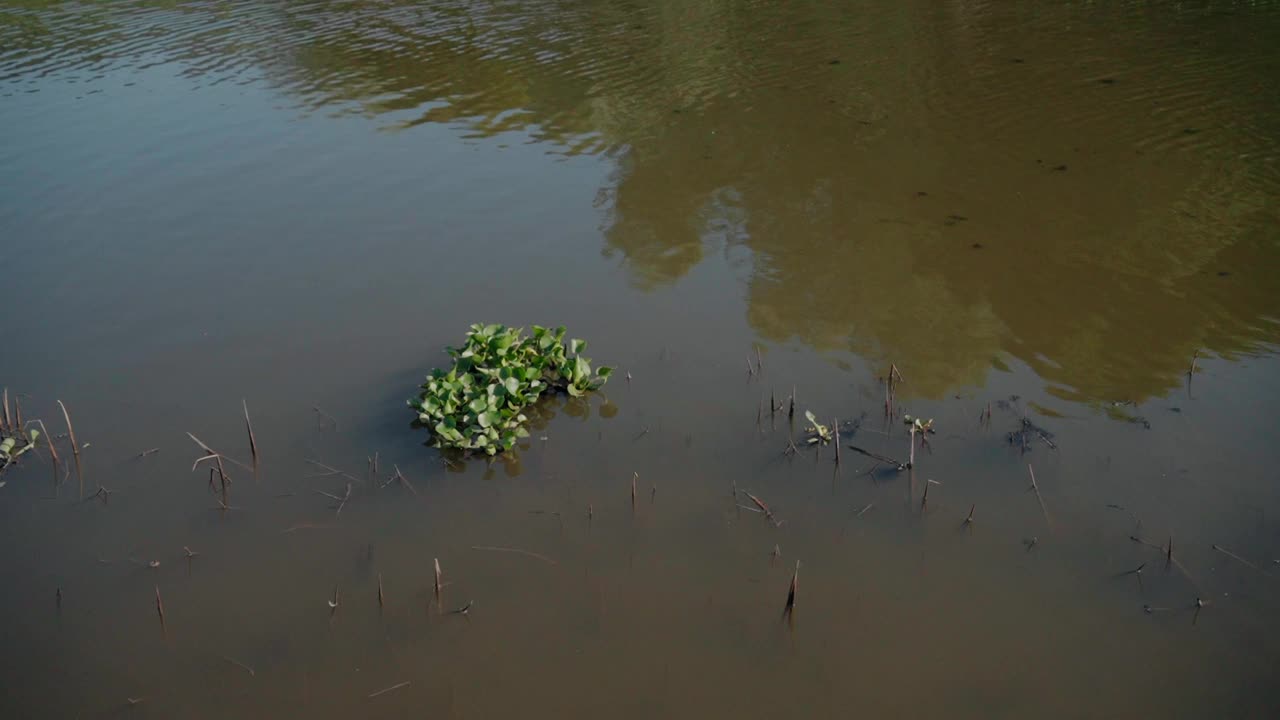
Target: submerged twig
{"points": [[240, 665], [1036, 488], [791, 590], [75, 446], [248, 424], [882, 458], [518, 551], [383, 691], [1234, 556], [159, 607], [763, 508]]}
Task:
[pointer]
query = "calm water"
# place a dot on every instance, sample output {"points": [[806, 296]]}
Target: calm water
{"points": [[1048, 209]]}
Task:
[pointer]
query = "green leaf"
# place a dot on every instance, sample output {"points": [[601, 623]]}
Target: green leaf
{"points": [[577, 346], [808, 414], [604, 372]]}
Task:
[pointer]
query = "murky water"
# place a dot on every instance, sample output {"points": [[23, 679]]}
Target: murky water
{"points": [[1047, 210]]}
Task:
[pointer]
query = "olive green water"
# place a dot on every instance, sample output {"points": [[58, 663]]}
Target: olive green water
{"points": [[299, 204]]}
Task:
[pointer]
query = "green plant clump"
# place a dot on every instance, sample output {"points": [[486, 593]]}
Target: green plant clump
{"points": [[477, 405]]}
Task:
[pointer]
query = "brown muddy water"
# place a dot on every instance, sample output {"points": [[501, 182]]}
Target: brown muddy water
{"points": [[1045, 208]]}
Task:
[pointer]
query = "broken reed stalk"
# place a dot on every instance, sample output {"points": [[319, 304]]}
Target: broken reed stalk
{"points": [[882, 458], [17, 411], [437, 585], [1168, 556], [1234, 556], [5, 423], [759, 361], [791, 591], [791, 411], [240, 665], [1194, 356], [381, 598], [750, 370], [517, 551], [71, 432], [911, 461], [773, 404], [634, 476], [969, 519], [253, 441], [383, 691], [342, 503], [924, 499], [1036, 488], [763, 508], [322, 414], [159, 607], [404, 480], [53, 448], [864, 510], [835, 437]]}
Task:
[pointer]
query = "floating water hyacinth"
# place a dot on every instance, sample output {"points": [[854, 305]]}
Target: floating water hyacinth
{"points": [[477, 405]]}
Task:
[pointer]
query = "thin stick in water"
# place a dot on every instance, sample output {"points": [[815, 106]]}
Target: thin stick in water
{"points": [[75, 446], [381, 597], [397, 686], [517, 551], [437, 585], [791, 591], [240, 665], [882, 458], [1234, 556], [924, 500], [159, 607], [253, 441], [835, 437], [1036, 488]]}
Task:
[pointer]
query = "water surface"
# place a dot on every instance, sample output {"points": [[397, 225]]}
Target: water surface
{"points": [[1047, 210]]}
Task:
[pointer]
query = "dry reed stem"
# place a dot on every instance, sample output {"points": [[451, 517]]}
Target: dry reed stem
{"points": [[53, 449], [438, 586], [240, 665], [1234, 556], [75, 446], [381, 597], [248, 424], [383, 691], [1036, 488], [791, 590], [517, 551], [882, 458]]}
